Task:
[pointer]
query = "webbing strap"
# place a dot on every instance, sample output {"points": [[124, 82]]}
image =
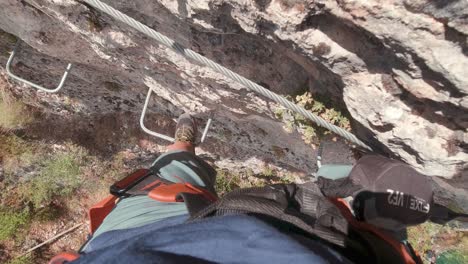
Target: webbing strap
{"points": [[304, 208], [343, 187]]}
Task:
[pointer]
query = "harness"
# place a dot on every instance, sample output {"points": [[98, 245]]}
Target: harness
{"points": [[142, 182], [293, 208], [148, 182], [303, 209]]}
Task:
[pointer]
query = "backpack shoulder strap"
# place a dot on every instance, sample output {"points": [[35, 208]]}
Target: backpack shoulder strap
{"points": [[306, 208], [302, 206]]}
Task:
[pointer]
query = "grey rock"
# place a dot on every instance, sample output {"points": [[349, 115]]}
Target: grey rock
{"points": [[398, 66]]}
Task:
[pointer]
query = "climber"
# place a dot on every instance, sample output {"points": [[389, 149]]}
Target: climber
{"points": [[171, 214]]}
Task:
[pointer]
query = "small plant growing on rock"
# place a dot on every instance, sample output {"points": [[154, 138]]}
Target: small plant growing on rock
{"points": [[226, 182], [279, 113], [311, 133], [318, 107], [268, 171]]}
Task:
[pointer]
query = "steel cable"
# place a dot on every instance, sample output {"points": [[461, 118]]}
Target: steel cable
{"points": [[215, 66]]}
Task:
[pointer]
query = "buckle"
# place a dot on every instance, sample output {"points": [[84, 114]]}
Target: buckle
{"points": [[120, 188]]}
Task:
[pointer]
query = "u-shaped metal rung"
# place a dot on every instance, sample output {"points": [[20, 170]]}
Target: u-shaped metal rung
{"points": [[142, 123], [319, 155], [12, 75]]}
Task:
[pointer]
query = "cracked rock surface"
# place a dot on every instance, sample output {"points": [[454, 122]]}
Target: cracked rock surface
{"points": [[399, 67]]}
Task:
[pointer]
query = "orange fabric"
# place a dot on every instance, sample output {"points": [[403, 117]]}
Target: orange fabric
{"points": [[64, 257], [99, 211], [168, 193], [398, 246]]}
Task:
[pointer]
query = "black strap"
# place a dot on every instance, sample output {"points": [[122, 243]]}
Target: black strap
{"points": [[343, 187], [300, 205], [305, 207], [194, 202]]}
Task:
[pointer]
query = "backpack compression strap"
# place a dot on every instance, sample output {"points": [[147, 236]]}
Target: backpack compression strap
{"points": [[306, 208], [302, 206]]}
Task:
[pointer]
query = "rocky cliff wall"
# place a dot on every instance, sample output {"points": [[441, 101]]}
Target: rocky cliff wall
{"points": [[399, 67]]}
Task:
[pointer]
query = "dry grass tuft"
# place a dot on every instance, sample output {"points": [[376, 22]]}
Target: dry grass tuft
{"points": [[13, 113]]}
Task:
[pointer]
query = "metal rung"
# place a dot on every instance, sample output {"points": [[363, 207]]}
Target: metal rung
{"points": [[12, 75], [319, 155], [170, 139]]}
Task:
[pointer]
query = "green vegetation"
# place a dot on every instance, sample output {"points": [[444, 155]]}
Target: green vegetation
{"points": [[421, 236], [287, 178], [226, 182], [452, 257], [22, 260], [59, 174], [11, 145], [16, 152], [11, 222], [268, 171], [430, 238], [310, 134], [319, 106], [38, 177], [115, 170], [47, 213], [13, 113], [43, 182], [59, 177]]}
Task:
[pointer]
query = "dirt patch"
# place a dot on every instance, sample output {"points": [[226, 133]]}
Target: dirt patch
{"points": [[101, 134]]}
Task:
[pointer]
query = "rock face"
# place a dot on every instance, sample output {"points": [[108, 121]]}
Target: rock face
{"points": [[400, 68]]}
